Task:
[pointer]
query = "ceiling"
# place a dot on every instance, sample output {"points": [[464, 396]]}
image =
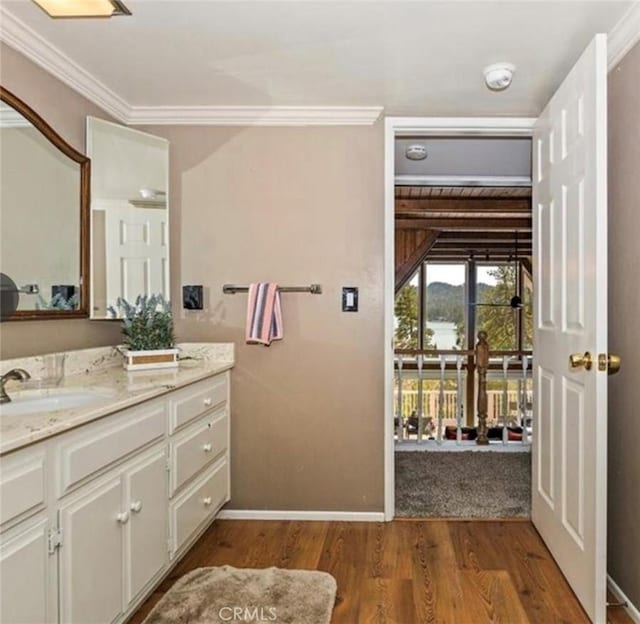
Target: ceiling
{"points": [[454, 224], [504, 157], [412, 58]]}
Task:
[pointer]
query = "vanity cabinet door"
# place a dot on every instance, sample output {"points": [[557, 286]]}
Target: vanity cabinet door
{"points": [[91, 556], [28, 576], [146, 486]]}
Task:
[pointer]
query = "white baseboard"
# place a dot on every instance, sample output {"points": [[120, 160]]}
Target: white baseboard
{"points": [[632, 611], [335, 516]]}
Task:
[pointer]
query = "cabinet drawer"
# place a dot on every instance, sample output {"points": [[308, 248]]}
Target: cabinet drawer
{"points": [[199, 503], [90, 451], [197, 399], [198, 446], [22, 484]]}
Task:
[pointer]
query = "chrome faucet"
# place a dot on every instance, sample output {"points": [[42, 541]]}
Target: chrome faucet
{"points": [[18, 374]]}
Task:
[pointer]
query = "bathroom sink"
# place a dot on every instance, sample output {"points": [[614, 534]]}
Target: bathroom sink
{"points": [[51, 399]]}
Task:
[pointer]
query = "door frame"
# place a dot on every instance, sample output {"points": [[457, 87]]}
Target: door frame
{"points": [[419, 126]]}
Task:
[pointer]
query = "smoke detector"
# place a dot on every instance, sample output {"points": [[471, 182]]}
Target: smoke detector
{"points": [[499, 75], [416, 151]]}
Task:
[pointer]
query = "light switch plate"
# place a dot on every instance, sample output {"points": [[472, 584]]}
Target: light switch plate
{"points": [[349, 299]]}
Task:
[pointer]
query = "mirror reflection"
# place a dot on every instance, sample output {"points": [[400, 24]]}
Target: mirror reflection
{"points": [[40, 218], [129, 215]]}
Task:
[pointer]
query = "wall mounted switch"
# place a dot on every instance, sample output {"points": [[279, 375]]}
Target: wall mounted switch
{"points": [[349, 299], [192, 298]]}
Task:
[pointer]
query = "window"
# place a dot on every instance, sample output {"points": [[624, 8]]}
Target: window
{"points": [[431, 309], [496, 285]]}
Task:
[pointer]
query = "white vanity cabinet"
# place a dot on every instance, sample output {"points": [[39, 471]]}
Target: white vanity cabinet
{"points": [[27, 575], [114, 540], [94, 518], [27, 572]]}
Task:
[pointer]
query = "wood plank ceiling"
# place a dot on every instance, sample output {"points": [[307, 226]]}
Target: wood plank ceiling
{"points": [[455, 224]]}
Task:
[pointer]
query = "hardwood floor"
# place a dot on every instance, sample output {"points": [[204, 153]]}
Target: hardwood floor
{"points": [[406, 571]]}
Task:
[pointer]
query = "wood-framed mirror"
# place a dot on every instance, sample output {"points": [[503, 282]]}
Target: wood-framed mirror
{"points": [[44, 218]]}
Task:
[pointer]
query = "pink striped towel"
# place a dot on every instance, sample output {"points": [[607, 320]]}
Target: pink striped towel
{"points": [[264, 314]]}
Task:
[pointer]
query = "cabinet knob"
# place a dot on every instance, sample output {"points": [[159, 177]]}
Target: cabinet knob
{"points": [[208, 401], [207, 501], [123, 517], [136, 506], [206, 447]]}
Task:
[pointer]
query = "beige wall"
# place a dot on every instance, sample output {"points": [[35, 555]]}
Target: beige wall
{"points": [[624, 325], [293, 205], [65, 111]]}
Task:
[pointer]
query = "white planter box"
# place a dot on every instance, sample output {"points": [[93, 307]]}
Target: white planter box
{"points": [[146, 360]]}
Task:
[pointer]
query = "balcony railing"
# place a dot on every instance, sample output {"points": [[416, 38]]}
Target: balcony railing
{"points": [[437, 392]]}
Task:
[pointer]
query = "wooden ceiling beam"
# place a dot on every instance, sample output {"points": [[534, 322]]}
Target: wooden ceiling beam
{"points": [[476, 223], [477, 255], [503, 235], [416, 192], [482, 245], [470, 204], [420, 214]]}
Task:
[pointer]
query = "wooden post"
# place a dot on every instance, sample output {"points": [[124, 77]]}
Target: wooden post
{"points": [[482, 364]]}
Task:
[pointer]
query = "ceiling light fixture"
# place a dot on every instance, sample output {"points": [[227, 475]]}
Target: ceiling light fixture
{"points": [[83, 8], [499, 75], [416, 151]]}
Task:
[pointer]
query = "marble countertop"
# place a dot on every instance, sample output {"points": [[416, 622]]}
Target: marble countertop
{"points": [[100, 370]]}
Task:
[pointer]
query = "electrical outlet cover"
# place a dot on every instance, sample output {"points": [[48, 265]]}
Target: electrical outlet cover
{"points": [[192, 297]]}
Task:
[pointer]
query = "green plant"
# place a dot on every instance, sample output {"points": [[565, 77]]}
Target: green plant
{"points": [[147, 325]]}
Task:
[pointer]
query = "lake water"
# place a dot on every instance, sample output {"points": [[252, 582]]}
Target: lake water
{"points": [[444, 334]]}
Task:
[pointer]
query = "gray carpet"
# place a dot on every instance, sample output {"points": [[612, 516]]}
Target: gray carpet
{"points": [[228, 594], [463, 484]]}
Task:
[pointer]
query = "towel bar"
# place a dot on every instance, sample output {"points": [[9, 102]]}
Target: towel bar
{"points": [[314, 289]]}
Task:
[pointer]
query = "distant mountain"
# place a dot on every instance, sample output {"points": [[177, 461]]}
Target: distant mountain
{"points": [[445, 302]]}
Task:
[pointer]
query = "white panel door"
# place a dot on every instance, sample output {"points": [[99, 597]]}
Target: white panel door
{"points": [[91, 556], [570, 242], [146, 492], [136, 244]]}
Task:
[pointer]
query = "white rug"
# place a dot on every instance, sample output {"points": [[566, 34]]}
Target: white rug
{"points": [[227, 594]]}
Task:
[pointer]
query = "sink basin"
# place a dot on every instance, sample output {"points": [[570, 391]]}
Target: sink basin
{"points": [[34, 401]]}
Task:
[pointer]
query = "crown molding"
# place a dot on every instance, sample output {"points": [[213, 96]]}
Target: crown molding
{"points": [[461, 126], [254, 115], [16, 34], [624, 35]]}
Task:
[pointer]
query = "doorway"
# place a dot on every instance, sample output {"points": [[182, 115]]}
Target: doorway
{"points": [[441, 470], [454, 254]]}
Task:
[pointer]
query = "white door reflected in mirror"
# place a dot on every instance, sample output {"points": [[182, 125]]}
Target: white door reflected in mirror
{"points": [[129, 215]]}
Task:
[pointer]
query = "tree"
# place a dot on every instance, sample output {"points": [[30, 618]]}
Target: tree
{"points": [[500, 322], [407, 320]]}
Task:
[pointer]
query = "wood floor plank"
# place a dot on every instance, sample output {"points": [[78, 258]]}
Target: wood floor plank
{"points": [[304, 545], [478, 545], [404, 572], [439, 594], [343, 557], [540, 584], [490, 596]]}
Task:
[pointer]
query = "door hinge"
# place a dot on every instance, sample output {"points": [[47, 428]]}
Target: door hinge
{"points": [[169, 545], [54, 540], [168, 464]]}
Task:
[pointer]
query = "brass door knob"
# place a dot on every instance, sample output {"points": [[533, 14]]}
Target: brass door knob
{"points": [[581, 360], [609, 362]]}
